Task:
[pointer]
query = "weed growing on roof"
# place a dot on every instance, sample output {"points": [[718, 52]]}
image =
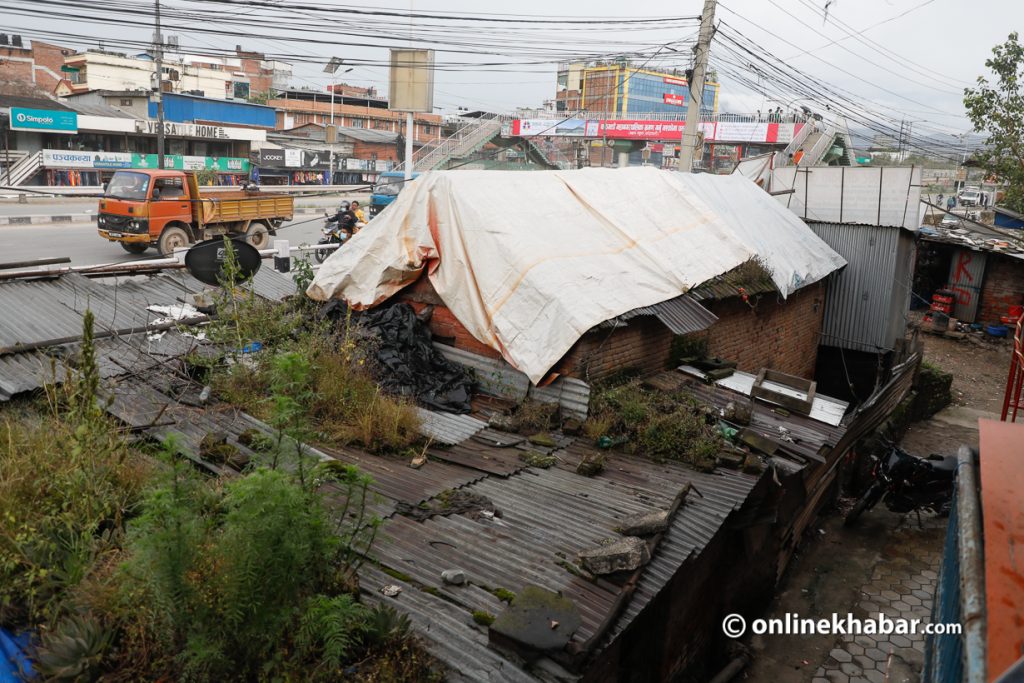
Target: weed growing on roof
{"points": [[483, 617], [67, 483], [536, 416], [341, 402], [655, 424], [504, 595]]}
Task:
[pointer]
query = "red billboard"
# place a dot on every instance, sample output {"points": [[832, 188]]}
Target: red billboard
{"points": [[672, 98]]}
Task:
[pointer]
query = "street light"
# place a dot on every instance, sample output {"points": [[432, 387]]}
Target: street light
{"points": [[332, 69]]}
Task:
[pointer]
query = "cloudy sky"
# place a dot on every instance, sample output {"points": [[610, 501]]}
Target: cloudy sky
{"points": [[907, 58]]}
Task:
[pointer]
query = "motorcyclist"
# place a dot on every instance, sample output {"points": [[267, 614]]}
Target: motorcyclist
{"points": [[345, 218]]}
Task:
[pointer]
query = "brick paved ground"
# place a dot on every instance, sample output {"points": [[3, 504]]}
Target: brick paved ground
{"points": [[902, 585]]}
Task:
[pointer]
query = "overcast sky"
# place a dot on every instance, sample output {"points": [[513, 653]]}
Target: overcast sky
{"points": [[915, 64]]}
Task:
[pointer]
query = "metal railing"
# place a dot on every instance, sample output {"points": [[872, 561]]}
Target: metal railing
{"points": [[461, 142], [22, 171]]}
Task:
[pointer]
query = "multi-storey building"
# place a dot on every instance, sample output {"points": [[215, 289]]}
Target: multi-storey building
{"points": [[619, 88]]}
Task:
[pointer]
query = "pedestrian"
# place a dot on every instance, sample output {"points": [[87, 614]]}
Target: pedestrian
{"points": [[759, 116], [941, 197], [951, 203], [798, 157]]}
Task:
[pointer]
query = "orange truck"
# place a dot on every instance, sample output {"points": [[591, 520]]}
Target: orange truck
{"points": [[166, 210]]}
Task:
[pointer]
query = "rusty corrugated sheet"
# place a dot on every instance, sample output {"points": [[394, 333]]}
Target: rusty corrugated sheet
{"points": [[682, 315]]}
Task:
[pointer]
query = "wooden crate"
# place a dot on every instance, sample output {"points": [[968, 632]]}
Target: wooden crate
{"points": [[790, 392]]}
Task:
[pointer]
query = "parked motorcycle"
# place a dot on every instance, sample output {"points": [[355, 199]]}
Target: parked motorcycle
{"points": [[908, 483]]}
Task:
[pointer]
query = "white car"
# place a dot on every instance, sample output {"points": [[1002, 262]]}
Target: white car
{"points": [[970, 197]]}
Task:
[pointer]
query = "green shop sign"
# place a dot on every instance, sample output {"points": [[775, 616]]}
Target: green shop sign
{"points": [[44, 119], [179, 162]]}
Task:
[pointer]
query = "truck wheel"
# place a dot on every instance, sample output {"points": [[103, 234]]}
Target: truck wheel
{"points": [[172, 238], [134, 247], [258, 235]]}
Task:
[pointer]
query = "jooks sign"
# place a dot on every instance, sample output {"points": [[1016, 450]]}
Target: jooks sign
{"points": [[44, 119]]}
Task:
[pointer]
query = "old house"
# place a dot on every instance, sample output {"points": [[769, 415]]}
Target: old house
{"points": [[559, 276]]}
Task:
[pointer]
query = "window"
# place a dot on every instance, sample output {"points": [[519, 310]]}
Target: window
{"points": [[357, 123], [427, 129], [126, 102], [170, 188]]}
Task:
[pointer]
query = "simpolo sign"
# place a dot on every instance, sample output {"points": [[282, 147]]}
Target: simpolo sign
{"points": [[44, 119]]}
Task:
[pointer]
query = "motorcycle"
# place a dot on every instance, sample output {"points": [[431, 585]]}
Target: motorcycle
{"points": [[908, 483], [333, 232]]}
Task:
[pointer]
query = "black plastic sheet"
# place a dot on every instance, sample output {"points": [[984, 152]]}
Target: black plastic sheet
{"points": [[409, 365]]}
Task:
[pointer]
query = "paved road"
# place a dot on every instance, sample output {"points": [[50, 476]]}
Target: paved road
{"points": [[85, 247]]}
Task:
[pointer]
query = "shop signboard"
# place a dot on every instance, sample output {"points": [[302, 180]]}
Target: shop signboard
{"points": [[56, 158], [44, 119], [575, 128], [674, 99], [183, 130], [293, 158], [638, 129]]}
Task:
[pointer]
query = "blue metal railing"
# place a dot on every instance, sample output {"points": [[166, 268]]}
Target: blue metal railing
{"points": [[943, 654]]}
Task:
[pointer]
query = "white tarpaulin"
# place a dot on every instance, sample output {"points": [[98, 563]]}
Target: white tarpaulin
{"points": [[529, 261]]}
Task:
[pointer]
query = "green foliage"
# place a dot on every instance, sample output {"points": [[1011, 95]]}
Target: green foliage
{"points": [[331, 628], [385, 626], [504, 595], [997, 108], [206, 176], [67, 482], [536, 416], [73, 650], [687, 346], [483, 617], [659, 425]]}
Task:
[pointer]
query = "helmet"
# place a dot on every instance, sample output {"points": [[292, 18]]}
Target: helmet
{"points": [[345, 206]]}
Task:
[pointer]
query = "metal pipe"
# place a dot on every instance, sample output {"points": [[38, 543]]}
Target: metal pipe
{"points": [[731, 669], [972, 567], [35, 262]]}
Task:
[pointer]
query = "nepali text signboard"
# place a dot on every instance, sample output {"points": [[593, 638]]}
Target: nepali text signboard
{"points": [[656, 129], [44, 119], [56, 158]]}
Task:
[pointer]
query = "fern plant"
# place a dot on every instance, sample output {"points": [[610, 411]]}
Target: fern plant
{"points": [[332, 628]]}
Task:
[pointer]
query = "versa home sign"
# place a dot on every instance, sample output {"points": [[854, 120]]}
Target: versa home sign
{"points": [[44, 119], [183, 130]]}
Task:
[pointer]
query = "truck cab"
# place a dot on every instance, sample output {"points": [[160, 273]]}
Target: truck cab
{"points": [[387, 187], [166, 209]]}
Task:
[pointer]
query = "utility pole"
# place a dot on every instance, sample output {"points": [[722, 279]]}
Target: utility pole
{"points": [[693, 139], [159, 91]]}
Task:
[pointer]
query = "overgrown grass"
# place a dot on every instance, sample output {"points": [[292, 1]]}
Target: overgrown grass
{"points": [[68, 481], [134, 567], [654, 424]]}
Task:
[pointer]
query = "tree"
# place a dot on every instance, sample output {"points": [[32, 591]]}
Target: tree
{"points": [[998, 109]]}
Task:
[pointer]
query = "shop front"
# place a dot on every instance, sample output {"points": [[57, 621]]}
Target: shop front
{"points": [[277, 166], [361, 171], [88, 168]]}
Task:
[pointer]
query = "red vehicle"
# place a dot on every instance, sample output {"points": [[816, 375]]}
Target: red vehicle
{"points": [[167, 210]]}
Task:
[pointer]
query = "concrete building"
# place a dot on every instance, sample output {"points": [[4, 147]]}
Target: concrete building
{"points": [[352, 109], [243, 76], [621, 88]]}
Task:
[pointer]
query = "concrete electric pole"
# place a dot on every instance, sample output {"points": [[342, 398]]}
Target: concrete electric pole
{"points": [[693, 140], [159, 40]]}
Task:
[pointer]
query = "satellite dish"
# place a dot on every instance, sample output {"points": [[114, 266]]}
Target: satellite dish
{"points": [[205, 261]]}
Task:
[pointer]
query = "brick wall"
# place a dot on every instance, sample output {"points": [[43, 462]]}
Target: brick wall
{"points": [[39, 63], [644, 345], [775, 334], [366, 150], [1002, 287], [445, 327]]}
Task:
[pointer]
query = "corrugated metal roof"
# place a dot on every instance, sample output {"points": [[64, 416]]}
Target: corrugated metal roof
{"points": [[92, 109], [682, 315], [867, 300], [50, 313], [447, 428], [547, 518], [368, 134], [570, 393]]}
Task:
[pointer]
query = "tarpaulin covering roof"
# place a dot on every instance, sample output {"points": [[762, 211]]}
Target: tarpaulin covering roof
{"points": [[528, 262]]}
